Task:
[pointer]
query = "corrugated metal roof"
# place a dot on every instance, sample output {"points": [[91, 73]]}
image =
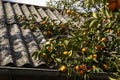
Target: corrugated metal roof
{"points": [[18, 44]]}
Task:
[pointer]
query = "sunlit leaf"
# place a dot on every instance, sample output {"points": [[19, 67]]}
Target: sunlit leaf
{"points": [[66, 42], [112, 78], [92, 23], [94, 15]]}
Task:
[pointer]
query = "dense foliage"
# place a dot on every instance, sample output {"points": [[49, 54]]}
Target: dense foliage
{"points": [[88, 42]]}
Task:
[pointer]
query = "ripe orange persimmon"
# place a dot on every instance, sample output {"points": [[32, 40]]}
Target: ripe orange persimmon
{"points": [[104, 39], [49, 33], [43, 22], [81, 72], [68, 12], [83, 67], [118, 4], [93, 67], [84, 49], [77, 68], [98, 47], [65, 53], [94, 55], [112, 6], [105, 66], [108, 30], [62, 68]]}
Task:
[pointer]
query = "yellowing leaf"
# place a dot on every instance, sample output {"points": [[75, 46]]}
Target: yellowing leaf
{"points": [[106, 13], [94, 15], [111, 78]]}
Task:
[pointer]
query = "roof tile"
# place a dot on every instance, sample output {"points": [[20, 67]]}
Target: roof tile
{"points": [[16, 43], [35, 13], [26, 11], [2, 15], [51, 15], [17, 9], [60, 16], [5, 49], [42, 13], [19, 49], [9, 13]]}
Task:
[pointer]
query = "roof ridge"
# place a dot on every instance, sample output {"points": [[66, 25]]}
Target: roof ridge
{"points": [[44, 7]]}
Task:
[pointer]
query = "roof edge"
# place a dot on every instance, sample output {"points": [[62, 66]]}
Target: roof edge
{"points": [[21, 68], [17, 71], [28, 71], [44, 7]]}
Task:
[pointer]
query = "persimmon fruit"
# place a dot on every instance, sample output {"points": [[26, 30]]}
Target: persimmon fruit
{"points": [[112, 6], [105, 66], [77, 68], [49, 33], [94, 55], [104, 39], [108, 31], [118, 4], [83, 67], [81, 72], [65, 53], [62, 68], [43, 22], [98, 47], [68, 12], [93, 67], [84, 49]]}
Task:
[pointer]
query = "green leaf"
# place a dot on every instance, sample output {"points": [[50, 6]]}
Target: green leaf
{"points": [[72, 34], [93, 1], [99, 25], [94, 15], [70, 53], [86, 3], [106, 13], [58, 60], [109, 25], [92, 23], [95, 60], [35, 55], [97, 70], [66, 42]]}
